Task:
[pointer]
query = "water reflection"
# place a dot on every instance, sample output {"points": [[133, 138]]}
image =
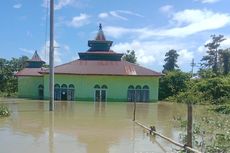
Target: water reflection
{"points": [[84, 127], [51, 132]]}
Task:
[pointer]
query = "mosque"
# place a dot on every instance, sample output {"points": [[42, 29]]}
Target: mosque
{"points": [[98, 75]]}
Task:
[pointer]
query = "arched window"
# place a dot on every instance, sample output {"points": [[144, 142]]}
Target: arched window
{"points": [[57, 92], [146, 87], [103, 93], [71, 86], [40, 87], [100, 94], [97, 86], [70, 92], [56, 86], [64, 86], [131, 94], [104, 87], [138, 93], [131, 87], [138, 87], [40, 91]]}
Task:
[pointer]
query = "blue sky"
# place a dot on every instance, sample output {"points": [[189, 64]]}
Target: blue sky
{"points": [[150, 27]]}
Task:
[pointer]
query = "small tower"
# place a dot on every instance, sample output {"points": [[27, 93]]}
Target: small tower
{"points": [[100, 49], [35, 61]]}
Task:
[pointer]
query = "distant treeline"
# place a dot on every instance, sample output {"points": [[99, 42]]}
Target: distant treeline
{"points": [[211, 84]]}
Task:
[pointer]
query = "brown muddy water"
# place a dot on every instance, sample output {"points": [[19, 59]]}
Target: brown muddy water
{"points": [[86, 127]]}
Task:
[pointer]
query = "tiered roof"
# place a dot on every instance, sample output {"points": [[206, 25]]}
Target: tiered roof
{"points": [[98, 67], [97, 60], [35, 61], [100, 49]]}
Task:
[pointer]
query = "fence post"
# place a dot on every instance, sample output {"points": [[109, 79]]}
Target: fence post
{"points": [[189, 124], [134, 111]]}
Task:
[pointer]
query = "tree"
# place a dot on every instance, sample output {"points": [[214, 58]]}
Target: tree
{"points": [[171, 61], [225, 59], [212, 60], [130, 56], [173, 83], [8, 82]]}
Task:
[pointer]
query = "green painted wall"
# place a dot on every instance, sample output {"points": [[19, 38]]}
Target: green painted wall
{"points": [[117, 85], [28, 86]]}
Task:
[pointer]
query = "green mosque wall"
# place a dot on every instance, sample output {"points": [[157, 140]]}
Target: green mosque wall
{"points": [[28, 86], [84, 86], [117, 86]]}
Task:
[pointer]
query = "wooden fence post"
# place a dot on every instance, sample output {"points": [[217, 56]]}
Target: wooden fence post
{"points": [[189, 125]]}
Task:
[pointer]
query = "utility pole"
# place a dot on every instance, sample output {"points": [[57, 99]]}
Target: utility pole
{"points": [[51, 57], [193, 65]]}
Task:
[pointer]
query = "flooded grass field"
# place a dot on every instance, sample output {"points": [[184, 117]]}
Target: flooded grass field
{"points": [[86, 127]]}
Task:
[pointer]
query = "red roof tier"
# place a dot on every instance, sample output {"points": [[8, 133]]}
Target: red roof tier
{"points": [[91, 67], [30, 72]]}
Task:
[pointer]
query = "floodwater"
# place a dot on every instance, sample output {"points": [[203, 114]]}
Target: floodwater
{"points": [[86, 127]]}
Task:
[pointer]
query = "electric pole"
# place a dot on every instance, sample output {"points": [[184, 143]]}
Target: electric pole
{"points": [[51, 57]]}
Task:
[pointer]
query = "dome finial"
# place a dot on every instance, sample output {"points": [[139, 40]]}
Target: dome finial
{"points": [[100, 26]]}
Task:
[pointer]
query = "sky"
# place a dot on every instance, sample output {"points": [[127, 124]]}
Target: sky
{"points": [[150, 27]]}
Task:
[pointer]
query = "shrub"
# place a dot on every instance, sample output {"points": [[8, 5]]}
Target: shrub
{"points": [[4, 111]]}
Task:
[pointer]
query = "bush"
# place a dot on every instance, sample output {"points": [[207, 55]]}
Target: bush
{"points": [[210, 91], [172, 83], [4, 111], [223, 109]]}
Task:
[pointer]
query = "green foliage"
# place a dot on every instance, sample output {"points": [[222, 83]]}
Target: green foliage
{"points": [[170, 61], [215, 89], [225, 60], [4, 111], [8, 82], [173, 83], [130, 56], [212, 59], [212, 90], [211, 132], [220, 145], [206, 73], [223, 109]]}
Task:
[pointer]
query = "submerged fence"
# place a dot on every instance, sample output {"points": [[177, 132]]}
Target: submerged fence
{"points": [[152, 131]]}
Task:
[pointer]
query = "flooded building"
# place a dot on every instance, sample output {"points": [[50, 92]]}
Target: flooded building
{"points": [[99, 75]]}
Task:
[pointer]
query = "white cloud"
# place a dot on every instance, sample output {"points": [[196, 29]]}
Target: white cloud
{"points": [[81, 20], [117, 32], [168, 9], [226, 43], [103, 15], [208, 1], [120, 14], [187, 22], [185, 57], [30, 51], [57, 53], [151, 53], [117, 15], [203, 50], [62, 3], [17, 6], [129, 13]]}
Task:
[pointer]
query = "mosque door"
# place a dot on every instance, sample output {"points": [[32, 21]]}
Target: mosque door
{"points": [[103, 95], [97, 96], [40, 92], [64, 95]]}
